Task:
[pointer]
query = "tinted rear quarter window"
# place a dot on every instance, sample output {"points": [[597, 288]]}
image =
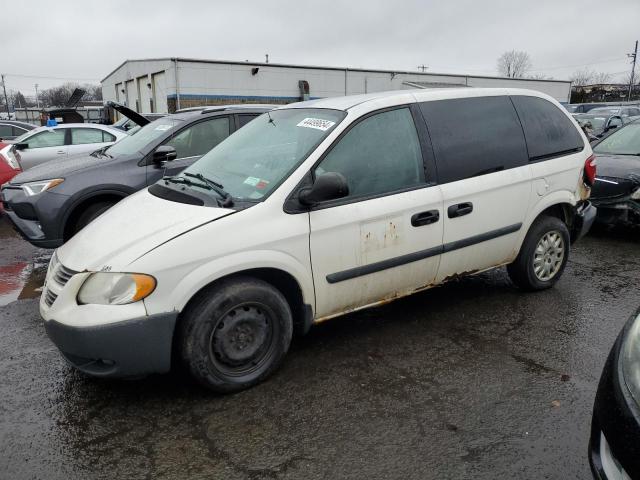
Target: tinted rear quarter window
{"points": [[474, 136], [548, 131]]}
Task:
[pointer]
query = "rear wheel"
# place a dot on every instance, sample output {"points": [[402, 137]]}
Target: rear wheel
{"points": [[543, 256], [92, 212], [236, 334]]}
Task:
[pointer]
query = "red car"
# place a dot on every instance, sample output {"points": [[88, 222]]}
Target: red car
{"points": [[9, 167]]}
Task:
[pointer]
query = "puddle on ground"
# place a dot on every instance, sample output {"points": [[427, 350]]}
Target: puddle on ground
{"points": [[22, 280], [6, 230]]}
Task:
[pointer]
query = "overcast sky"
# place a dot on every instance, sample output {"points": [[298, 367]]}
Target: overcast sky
{"points": [[49, 42]]}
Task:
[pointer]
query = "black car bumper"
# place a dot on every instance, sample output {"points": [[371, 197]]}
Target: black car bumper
{"points": [[34, 218], [614, 447], [585, 215], [135, 347]]}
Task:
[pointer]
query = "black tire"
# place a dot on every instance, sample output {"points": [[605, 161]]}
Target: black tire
{"points": [[92, 212], [235, 334], [523, 270]]}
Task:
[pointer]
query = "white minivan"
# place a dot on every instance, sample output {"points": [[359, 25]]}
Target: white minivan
{"points": [[314, 210]]}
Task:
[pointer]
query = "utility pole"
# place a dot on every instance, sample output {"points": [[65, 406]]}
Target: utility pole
{"points": [[422, 67], [266, 58], [37, 99], [6, 100], [633, 69]]}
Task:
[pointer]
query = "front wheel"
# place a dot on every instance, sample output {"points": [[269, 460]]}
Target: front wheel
{"points": [[235, 334], [543, 255]]}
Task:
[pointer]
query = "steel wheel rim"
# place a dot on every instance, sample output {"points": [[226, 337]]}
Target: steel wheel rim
{"points": [[548, 255], [243, 339]]}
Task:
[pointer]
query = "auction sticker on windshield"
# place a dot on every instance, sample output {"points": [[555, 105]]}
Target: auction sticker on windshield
{"points": [[316, 123]]}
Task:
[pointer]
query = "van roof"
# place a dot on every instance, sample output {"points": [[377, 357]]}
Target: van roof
{"points": [[419, 95]]}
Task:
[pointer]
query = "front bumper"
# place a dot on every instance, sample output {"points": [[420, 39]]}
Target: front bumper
{"points": [[104, 340], [614, 447], [35, 218], [134, 347], [585, 215]]}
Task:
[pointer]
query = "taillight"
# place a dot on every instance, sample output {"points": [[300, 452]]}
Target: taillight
{"points": [[590, 171]]}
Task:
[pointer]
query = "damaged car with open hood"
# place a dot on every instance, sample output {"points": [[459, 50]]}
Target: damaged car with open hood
{"points": [[616, 191]]}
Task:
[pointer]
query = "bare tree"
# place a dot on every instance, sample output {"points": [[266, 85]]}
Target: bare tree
{"points": [[514, 64], [539, 76], [601, 77], [582, 77]]}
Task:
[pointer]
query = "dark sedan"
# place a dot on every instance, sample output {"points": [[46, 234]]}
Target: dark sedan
{"points": [[614, 448], [48, 204], [616, 191]]}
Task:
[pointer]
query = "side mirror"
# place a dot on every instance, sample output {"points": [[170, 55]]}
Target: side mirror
{"points": [[21, 146], [328, 186], [164, 153]]}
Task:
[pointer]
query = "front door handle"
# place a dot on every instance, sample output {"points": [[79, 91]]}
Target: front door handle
{"points": [[60, 152], [425, 218], [460, 209]]}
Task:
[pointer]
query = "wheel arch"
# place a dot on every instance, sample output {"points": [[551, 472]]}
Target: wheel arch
{"points": [[280, 279], [559, 204], [86, 199]]}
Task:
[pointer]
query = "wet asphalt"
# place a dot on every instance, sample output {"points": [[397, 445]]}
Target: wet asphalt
{"points": [[473, 379]]}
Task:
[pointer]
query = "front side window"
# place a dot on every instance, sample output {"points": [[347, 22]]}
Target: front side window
{"points": [[48, 138], [623, 142], [198, 139], [548, 131], [474, 136], [380, 154], [81, 136], [258, 157]]}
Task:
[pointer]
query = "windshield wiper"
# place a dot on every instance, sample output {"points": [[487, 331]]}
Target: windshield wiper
{"points": [[227, 201]]}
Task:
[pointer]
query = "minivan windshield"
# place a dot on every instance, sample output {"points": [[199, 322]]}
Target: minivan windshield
{"points": [[257, 158], [135, 143], [625, 141]]}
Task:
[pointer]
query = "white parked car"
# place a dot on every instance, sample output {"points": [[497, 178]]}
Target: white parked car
{"points": [[47, 143], [314, 210]]}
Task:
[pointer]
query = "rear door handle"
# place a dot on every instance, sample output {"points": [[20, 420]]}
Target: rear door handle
{"points": [[60, 152], [460, 209], [425, 218]]}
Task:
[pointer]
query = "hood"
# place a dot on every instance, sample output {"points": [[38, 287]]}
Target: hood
{"points": [[617, 166], [127, 112], [60, 167], [130, 229]]}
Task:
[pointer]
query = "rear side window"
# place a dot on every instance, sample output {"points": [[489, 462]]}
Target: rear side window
{"points": [[244, 119], [81, 136], [548, 131], [17, 131], [474, 136]]}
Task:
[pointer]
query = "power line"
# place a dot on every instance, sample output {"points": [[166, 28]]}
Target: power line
{"points": [[51, 78], [617, 59]]}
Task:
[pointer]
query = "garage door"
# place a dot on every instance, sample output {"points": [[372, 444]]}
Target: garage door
{"points": [[144, 94], [131, 94], [159, 87]]}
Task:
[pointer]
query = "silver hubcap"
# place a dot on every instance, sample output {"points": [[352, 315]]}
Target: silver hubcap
{"points": [[548, 256]]}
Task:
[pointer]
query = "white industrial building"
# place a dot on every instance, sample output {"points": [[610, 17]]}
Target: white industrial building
{"points": [[167, 84]]}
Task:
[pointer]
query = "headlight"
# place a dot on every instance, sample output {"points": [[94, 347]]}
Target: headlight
{"points": [[52, 265], [106, 288], [631, 360], [34, 188], [636, 195]]}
